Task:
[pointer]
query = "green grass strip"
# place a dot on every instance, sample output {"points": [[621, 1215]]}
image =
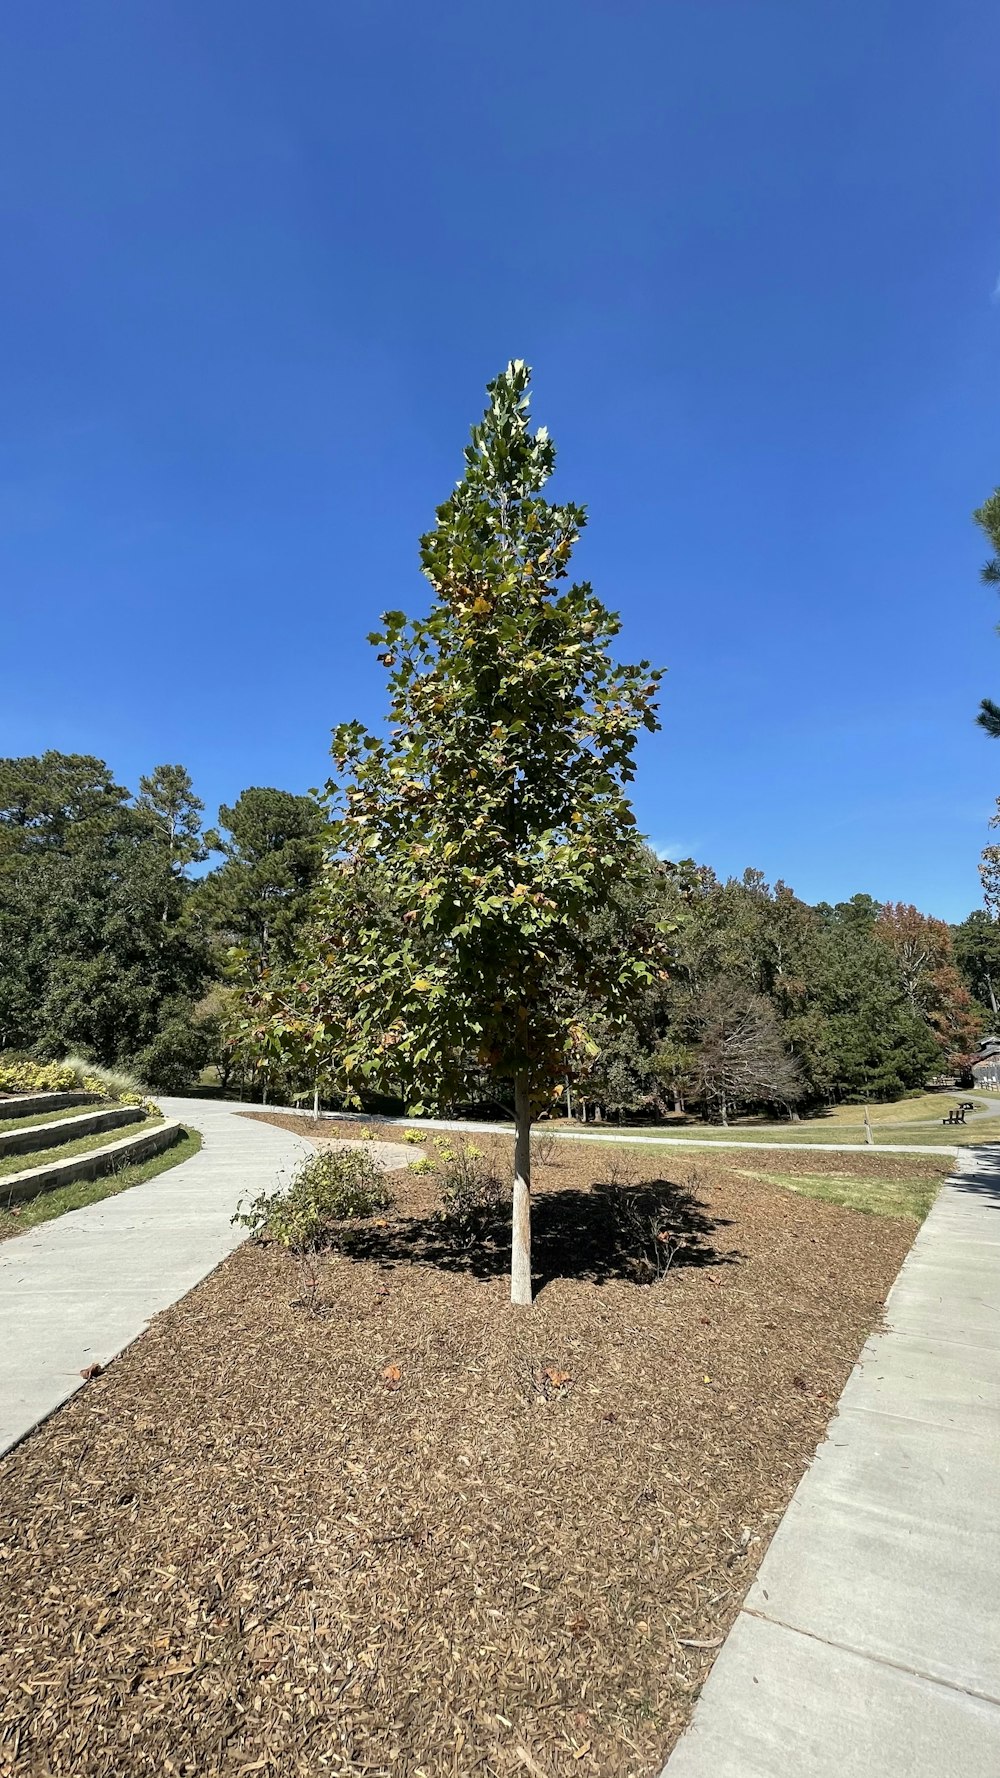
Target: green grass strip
{"points": [[22, 1163], [909, 1199], [81, 1192]]}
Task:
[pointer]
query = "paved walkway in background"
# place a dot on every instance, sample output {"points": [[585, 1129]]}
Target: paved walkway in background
{"points": [[869, 1643], [77, 1290], [611, 1134]]}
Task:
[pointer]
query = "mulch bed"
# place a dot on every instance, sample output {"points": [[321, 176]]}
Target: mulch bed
{"points": [[423, 1533]]}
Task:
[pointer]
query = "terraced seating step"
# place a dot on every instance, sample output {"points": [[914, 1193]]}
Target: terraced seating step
{"points": [[31, 1138], [15, 1188], [36, 1104]]}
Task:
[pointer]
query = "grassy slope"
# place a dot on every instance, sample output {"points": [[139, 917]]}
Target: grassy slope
{"points": [[21, 1163], [90, 1191]]}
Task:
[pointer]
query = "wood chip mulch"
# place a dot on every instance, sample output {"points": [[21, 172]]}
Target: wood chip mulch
{"points": [[420, 1532]]}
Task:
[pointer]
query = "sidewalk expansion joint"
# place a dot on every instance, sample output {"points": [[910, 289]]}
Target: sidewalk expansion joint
{"points": [[877, 1660]]}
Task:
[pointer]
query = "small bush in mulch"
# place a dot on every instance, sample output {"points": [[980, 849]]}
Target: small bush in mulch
{"points": [[474, 1188], [334, 1187], [423, 1532]]}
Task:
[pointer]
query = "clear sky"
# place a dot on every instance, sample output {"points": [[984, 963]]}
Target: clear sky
{"points": [[260, 260]]}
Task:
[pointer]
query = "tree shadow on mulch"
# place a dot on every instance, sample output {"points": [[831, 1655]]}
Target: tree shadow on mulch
{"points": [[601, 1234]]}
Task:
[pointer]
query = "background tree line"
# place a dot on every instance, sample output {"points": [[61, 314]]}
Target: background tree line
{"points": [[132, 933]]}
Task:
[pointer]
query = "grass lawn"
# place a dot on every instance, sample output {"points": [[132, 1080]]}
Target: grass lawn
{"points": [[923, 1107], [813, 1135], [48, 1117], [19, 1217], [22, 1163], [902, 1194], [907, 1120], [420, 1531]]}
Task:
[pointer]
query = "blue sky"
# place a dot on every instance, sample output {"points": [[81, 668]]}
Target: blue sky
{"points": [[260, 261]]}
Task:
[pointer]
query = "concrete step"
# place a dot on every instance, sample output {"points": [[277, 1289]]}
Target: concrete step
{"points": [[37, 1104], [16, 1188], [33, 1138]]}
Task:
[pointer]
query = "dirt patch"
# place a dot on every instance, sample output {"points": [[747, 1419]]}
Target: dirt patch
{"points": [[424, 1532]]}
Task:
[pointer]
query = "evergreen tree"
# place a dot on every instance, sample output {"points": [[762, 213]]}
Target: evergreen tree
{"points": [[258, 899], [168, 794], [93, 944]]}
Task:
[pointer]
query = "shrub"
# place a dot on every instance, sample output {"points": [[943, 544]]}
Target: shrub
{"points": [[175, 1058], [543, 1147], [414, 1136], [335, 1185], [22, 1074], [474, 1192], [423, 1164]]}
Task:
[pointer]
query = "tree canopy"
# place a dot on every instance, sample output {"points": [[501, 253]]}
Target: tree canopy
{"points": [[987, 517], [92, 941], [472, 844]]}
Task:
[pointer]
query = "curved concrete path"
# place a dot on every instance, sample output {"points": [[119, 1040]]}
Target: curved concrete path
{"points": [[610, 1133], [77, 1290], [869, 1643]]}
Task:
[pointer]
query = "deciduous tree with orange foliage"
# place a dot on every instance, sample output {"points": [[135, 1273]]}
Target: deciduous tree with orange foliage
{"points": [[921, 947]]}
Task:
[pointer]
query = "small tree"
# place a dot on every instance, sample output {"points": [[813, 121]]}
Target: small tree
{"points": [[740, 1057], [471, 847]]}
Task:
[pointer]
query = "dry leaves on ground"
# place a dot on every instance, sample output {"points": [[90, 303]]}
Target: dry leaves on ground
{"points": [[424, 1533]]}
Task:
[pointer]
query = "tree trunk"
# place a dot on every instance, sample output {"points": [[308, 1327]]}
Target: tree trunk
{"points": [[569, 1100], [722, 1114], [520, 1251], [316, 1099]]}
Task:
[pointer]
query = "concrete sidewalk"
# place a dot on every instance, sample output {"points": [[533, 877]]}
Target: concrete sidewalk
{"points": [[869, 1644], [79, 1289]]}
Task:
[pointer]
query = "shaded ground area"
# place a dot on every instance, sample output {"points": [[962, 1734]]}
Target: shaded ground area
{"points": [[883, 1184], [423, 1532]]}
